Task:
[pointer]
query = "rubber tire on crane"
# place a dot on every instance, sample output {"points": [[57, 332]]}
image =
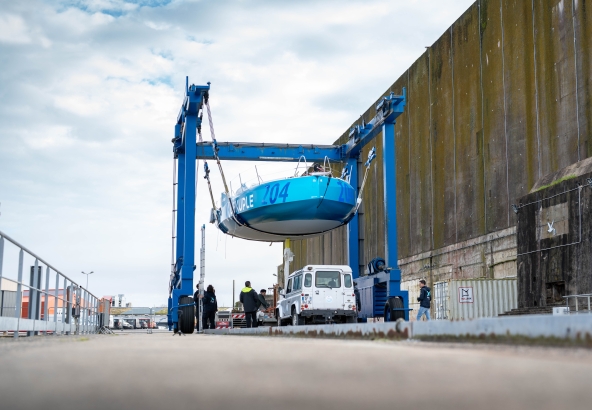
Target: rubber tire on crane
{"points": [[391, 315], [186, 319]]}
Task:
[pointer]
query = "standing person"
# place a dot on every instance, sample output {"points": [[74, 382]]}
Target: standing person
{"points": [[262, 305], [210, 307], [261, 298], [424, 299], [196, 301], [249, 299]]}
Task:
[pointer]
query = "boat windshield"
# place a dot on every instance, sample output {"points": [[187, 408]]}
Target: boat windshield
{"points": [[328, 279]]}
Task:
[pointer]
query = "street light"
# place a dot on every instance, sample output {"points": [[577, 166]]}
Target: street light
{"points": [[84, 273]]}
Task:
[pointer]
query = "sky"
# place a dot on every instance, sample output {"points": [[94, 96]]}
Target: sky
{"points": [[89, 96]]}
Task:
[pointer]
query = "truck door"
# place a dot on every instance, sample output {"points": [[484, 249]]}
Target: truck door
{"points": [[285, 302], [328, 292], [349, 300]]}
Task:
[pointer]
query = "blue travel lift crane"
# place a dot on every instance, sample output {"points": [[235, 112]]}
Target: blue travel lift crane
{"points": [[379, 290]]}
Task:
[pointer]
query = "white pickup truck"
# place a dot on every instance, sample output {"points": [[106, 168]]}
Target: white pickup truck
{"points": [[318, 294]]}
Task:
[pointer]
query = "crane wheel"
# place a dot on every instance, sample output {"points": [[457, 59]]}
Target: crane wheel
{"points": [[391, 315], [186, 315]]}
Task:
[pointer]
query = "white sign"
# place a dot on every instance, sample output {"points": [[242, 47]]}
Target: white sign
{"points": [[465, 295], [562, 310]]}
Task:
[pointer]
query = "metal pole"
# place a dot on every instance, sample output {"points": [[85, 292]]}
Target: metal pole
{"points": [[87, 311], [46, 299], [233, 302], [202, 275], [64, 303], [1, 256], [55, 304], [67, 309], [353, 232], [33, 292], [19, 295], [83, 312]]}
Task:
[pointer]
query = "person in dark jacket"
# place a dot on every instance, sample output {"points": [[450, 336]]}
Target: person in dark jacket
{"points": [[261, 304], [210, 307], [196, 300], [424, 299], [262, 301], [249, 299]]}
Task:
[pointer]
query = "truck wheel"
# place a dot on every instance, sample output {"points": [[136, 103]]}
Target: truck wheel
{"points": [[280, 322], [296, 319], [186, 318], [391, 315], [351, 319]]}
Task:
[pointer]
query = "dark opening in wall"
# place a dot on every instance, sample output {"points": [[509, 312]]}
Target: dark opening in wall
{"points": [[555, 292]]}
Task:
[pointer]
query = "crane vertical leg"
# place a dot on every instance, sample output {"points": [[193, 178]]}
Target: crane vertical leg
{"points": [[172, 311], [353, 237], [186, 221], [390, 214], [181, 315]]}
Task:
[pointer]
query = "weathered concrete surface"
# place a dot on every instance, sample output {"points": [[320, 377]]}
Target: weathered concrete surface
{"points": [[501, 99], [159, 371], [558, 263]]}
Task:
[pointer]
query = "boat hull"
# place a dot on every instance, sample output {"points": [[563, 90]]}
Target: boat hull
{"points": [[293, 208]]}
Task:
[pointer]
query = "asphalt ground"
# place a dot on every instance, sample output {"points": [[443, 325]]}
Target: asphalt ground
{"points": [[136, 370]]}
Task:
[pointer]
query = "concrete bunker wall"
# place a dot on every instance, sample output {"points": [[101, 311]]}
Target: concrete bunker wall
{"points": [[501, 99], [555, 238]]}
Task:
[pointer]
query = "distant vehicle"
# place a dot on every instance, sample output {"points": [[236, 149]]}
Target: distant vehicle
{"points": [[162, 323], [127, 325], [318, 294]]}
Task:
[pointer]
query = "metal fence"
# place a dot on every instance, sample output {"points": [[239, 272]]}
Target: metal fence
{"points": [[35, 307]]}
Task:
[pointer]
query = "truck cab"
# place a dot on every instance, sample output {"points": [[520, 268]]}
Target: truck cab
{"points": [[318, 294]]}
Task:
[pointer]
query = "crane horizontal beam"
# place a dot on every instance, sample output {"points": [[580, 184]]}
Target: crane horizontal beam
{"points": [[248, 151]]}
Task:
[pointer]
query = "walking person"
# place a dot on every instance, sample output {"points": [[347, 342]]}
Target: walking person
{"points": [[249, 299], [424, 299], [210, 307], [196, 301]]}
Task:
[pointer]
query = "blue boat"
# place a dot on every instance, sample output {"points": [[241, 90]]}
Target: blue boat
{"points": [[290, 208]]}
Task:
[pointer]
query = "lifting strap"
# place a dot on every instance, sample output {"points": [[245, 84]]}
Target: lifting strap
{"points": [[216, 149], [207, 178]]}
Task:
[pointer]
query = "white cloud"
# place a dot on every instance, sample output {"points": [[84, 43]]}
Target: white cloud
{"points": [[90, 91]]}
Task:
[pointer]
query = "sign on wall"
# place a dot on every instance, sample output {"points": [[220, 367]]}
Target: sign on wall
{"points": [[465, 294]]}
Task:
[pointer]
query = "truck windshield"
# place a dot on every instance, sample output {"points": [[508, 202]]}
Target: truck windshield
{"points": [[328, 279]]}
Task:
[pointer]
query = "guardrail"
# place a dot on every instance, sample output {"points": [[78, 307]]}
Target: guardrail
{"points": [[587, 296], [38, 309]]}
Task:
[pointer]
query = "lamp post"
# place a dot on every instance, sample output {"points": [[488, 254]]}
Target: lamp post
{"points": [[84, 273]]}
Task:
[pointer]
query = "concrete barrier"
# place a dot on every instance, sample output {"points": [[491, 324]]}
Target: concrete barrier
{"points": [[533, 326], [392, 330]]}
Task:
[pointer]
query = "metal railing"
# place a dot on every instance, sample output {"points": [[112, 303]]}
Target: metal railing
{"points": [[75, 309], [587, 296]]}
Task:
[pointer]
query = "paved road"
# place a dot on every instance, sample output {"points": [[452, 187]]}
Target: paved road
{"points": [[158, 371]]}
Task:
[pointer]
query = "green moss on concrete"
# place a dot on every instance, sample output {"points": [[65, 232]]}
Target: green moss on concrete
{"points": [[557, 181]]}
